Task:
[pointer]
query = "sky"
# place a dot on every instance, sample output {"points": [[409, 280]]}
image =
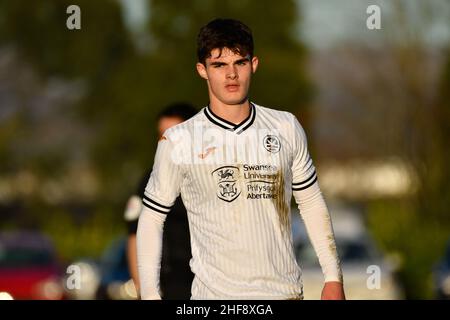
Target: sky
{"points": [[326, 23], [135, 13]]}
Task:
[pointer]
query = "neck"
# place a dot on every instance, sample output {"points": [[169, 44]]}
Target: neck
{"points": [[235, 113]]}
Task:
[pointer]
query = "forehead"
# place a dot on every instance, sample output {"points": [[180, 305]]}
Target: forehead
{"points": [[225, 54]]}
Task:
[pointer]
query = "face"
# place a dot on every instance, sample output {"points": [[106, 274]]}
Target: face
{"points": [[228, 76], [167, 122]]}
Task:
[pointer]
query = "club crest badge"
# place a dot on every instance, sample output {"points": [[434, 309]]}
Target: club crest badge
{"points": [[228, 187], [272, 143]]}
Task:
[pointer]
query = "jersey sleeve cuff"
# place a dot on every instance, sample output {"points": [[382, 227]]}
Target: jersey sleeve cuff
{"points": [[156, 205], [305, 183]]}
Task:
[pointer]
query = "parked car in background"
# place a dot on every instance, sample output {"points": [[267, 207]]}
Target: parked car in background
{"points": [[441, 275], [367, 274], [29, 267]]}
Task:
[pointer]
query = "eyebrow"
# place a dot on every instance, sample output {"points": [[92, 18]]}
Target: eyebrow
{"points": [[219, 63], [242, 60]]}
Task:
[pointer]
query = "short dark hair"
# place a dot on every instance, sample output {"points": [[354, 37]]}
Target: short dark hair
{"points": [[224, 33], [181, 110]]}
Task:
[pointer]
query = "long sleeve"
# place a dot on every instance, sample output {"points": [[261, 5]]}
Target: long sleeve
{"points": [[162, 189], [313, 208], [149, 252], [315, 215]]}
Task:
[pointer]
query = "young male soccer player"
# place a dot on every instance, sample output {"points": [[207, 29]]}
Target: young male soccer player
{"points": [[236, 165]]}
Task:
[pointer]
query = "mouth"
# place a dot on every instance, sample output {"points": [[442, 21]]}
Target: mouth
{"points": [[232, 87]]}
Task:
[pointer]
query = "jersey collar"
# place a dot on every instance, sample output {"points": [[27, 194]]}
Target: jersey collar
{"points": [[237, 128]]}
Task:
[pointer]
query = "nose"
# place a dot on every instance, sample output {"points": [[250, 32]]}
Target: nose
{"points": [[232, 73]]}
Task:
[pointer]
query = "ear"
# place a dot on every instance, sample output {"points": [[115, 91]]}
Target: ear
{"points": [[201, 69], [255, 62]]}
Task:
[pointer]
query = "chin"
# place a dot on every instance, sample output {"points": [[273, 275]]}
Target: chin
{"points": [[234, 101]]}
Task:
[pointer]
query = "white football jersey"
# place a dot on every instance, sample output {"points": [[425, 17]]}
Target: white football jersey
{"points": [[236, 182]]}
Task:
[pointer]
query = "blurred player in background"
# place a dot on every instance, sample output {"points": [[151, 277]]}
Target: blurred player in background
{"points": [[176, 275], [240, 165]]}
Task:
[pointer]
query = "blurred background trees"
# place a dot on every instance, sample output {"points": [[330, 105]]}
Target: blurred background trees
{"points": [[79, 107], [77, 110], [386, 95]]}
